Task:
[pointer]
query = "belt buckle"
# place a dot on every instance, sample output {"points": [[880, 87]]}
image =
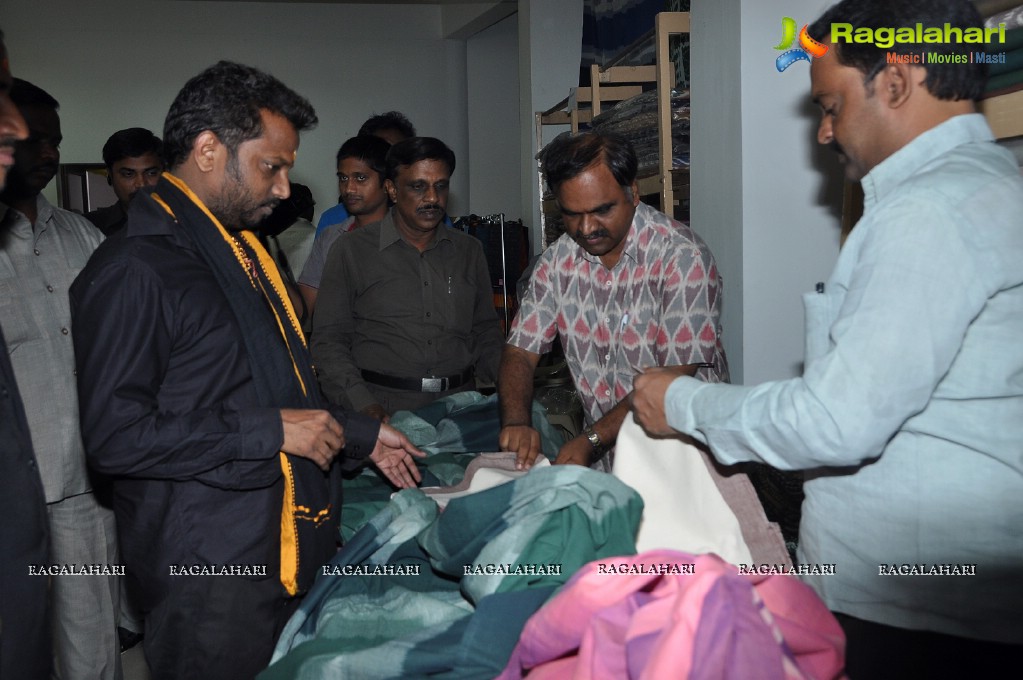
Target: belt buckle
{"points": [[434, 384]]}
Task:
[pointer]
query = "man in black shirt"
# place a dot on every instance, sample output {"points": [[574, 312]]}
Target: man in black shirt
{"points": [[208, 417]]}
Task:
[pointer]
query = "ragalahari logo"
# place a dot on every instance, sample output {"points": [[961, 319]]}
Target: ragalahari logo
{"points": [[807, 46]]}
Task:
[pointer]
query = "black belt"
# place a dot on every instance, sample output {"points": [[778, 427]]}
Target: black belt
{"points": [[441, 383]]}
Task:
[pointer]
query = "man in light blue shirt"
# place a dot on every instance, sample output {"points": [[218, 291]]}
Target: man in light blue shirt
{"points": [[908, 418]]}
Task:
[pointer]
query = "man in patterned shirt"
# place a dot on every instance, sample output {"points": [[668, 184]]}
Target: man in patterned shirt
{"points": [[626, 287]]}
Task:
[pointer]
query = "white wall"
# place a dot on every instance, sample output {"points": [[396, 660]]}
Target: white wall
{"points": [[493, 97], [118, 63], [764, 194], [760, 198], [550, 46]]}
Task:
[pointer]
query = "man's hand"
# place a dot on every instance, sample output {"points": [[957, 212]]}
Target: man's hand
{"points": [[576, 451], [524, 441], [312, 434], [649, 390], [392, 455], [377, 411]]}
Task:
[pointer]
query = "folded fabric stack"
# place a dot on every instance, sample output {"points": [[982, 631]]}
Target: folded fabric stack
{"points": [[636, 120], [485, 565], [1008, 12], [639, 618], [1007, 74], [452, 431]]}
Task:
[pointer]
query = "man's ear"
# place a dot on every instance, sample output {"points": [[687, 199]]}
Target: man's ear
{"points": [[205, 149], [895, 83], [635, 193], [392, 191]]}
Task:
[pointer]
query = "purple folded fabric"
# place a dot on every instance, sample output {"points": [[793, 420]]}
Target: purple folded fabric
{"points": [[670, 614]]}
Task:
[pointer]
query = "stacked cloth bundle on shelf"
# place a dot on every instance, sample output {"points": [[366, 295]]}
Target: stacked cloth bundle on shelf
{"points": [[636, 120], [1000, 11], [1006, 71]]}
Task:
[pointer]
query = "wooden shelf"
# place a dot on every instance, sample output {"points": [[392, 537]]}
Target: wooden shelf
{"points": [[614, 83], [1004, 113]]}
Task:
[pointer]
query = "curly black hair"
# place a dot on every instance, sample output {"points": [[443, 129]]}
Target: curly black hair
{"points": [[227, 99]]}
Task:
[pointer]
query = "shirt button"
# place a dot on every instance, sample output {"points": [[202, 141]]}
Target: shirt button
{"points": [[607, 357], [426, 283], [36, 251], [607, 393], [429, 342], [49, 288], [63, 331], [427, 315]]}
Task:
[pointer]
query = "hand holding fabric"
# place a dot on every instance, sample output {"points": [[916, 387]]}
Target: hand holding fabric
{"points": [[649, 390], [524, 441], [576, 451]]}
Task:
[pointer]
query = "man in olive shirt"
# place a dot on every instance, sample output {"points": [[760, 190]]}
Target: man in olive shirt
{"points": [[405, 313]]}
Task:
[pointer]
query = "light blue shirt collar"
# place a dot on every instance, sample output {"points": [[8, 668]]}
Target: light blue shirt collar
{"points": [[887, 175]]}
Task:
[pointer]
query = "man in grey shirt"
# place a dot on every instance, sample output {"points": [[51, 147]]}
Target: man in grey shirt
{"points": [[42, 249], [405, 313]]}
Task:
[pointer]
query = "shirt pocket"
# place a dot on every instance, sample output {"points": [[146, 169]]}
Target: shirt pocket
{"points": [[456, 304], [16, 317]]}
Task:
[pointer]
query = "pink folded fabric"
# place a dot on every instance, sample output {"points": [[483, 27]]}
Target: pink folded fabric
{"points": [[668, 614]]}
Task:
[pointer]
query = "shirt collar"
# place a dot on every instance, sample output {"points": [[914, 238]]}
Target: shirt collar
{"points": [[887, 175], [44, 213], [146, 217], [389, 233], [44, 210], [631, 251]]}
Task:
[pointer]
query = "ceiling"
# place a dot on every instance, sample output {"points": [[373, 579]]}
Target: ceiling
{"points": [[385, 2]]}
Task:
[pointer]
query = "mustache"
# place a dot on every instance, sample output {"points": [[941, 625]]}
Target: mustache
{"points": [[600, 233], [836, 147], [430, 206]]}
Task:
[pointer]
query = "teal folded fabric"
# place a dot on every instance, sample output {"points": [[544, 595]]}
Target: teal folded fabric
{"points": [[452, 431], [1004, 80], [1013, 62], [1013, 41], [485, 565]]}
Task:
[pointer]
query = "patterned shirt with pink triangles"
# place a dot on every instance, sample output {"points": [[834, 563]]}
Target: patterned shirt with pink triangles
{"points": [[659, 306]]}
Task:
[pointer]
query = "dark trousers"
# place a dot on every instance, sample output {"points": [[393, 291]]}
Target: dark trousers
{"points": [[875, 651], [222, 627]]}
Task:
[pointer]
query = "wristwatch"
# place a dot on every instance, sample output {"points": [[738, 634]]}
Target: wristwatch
{"points": [[598, 446]]}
